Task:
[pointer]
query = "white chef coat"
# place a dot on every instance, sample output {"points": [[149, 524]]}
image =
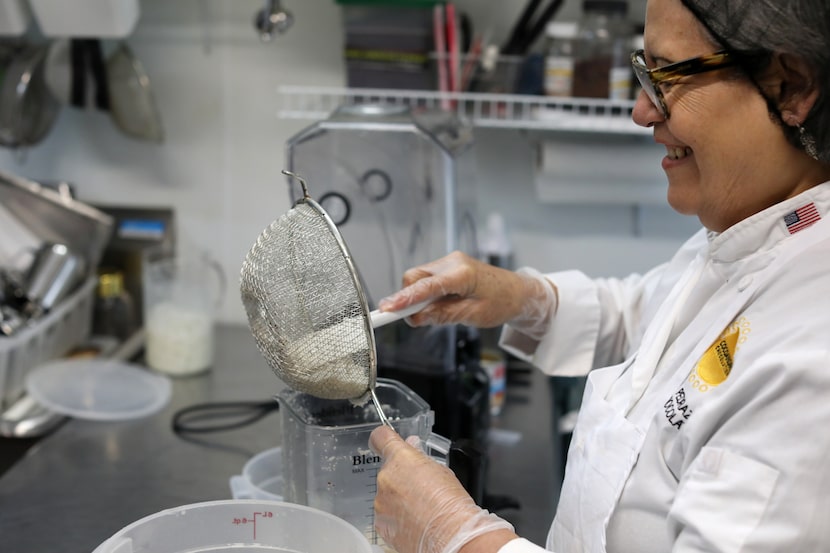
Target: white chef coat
{"points": [[734, 447]]}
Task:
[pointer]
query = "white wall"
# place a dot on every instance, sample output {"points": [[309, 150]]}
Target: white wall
{"points": [[215, 84]]}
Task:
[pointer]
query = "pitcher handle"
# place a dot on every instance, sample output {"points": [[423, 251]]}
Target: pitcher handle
{"points": [[240, 487], [437, 447], [220, 279]]}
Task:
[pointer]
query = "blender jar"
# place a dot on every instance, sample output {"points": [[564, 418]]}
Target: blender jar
{"points": [[327, 463]]}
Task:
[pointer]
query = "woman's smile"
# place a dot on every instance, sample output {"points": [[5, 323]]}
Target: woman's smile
{"points": [[678, 152]]}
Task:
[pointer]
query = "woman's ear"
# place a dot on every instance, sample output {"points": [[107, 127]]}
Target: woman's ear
{"points": [[790, 83]]}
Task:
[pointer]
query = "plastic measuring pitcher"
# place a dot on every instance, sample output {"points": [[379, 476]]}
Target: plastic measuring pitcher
{"points": [[238, 526], [261, 477], [182, 294], [326, 460]]}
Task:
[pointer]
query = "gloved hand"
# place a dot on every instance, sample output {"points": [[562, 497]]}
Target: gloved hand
{"points": [[421, 507], [474, 293]]}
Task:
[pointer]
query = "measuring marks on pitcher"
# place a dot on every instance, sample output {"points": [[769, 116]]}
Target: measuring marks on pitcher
{"points": [[252, 520], [345, 485], [366, 467]]}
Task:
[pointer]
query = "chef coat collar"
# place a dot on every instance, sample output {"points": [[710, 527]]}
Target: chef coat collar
{"points": [[760, 233]]}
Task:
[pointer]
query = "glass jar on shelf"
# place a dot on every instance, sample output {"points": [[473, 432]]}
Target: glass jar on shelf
{"points": [[559, 59], [602, 66]]}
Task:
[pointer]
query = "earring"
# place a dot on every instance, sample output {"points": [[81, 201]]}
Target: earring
{"points": [[807, 142]]}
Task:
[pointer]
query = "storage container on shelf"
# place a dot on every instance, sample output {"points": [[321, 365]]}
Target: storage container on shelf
{"points": [[389, 44], [602, 67], [559, 59]]}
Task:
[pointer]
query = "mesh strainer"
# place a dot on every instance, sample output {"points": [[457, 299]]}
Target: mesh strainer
{"points": [[306, 308]]}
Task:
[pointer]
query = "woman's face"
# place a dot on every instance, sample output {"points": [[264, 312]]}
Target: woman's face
{"points": [[726, 158]]}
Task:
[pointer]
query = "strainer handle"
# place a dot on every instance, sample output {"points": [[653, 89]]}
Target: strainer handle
{"points": [[379, 318], [379, 409]]}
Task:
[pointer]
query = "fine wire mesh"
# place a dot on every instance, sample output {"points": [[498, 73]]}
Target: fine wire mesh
{"points": [[304, 308]]}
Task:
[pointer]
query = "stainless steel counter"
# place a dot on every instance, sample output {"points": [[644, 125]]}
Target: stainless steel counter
{"points": [[87, 480]]}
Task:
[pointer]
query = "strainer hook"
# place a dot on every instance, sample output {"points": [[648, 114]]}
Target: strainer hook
{"points": [[303, 184]]}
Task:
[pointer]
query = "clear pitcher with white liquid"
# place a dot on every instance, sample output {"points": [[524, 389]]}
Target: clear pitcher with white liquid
{"points": [[182, 294]]}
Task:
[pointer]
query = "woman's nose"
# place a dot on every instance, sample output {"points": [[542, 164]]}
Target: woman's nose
{"points": [[645, 113]]}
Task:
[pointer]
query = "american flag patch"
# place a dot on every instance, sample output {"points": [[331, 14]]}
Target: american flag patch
{"points": [[801, 218]]}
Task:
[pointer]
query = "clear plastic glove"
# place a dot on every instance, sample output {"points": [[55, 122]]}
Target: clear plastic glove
{"points": [[421, 507], [468, 291]]}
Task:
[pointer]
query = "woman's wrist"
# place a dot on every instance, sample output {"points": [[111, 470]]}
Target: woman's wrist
{"points": [[539, 303]]}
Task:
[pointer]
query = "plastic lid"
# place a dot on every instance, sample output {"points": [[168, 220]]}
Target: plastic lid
{"points": [[98, 389], [562, 29]]}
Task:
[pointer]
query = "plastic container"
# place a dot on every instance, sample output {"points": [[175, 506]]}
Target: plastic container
{"points": [[388, 46], [327, 462], [494, 362], [63, 328], [238, 526], [261, 477], [559, 61], [86, 18], [602, 67], [495, 247]]}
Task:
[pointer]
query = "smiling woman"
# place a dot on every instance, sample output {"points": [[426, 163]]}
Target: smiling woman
{"points": [[794, 38], [715, 124], [699, 370]]}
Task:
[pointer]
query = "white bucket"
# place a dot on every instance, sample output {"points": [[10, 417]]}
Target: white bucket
{"points": [[238, 526]]}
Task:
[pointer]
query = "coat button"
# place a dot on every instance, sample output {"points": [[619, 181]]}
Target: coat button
{"points": [[744, 283]]}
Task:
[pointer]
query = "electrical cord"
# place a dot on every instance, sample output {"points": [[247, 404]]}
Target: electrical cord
{"points": [[204, 418]]}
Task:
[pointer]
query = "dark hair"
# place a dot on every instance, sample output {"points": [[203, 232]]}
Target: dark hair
{"points": [[757, 29]]}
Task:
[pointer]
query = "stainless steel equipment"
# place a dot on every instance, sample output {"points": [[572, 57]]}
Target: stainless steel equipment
{"points": [[399, 183], [57, 217], [307, 309], [54, 274], [56, 293]]}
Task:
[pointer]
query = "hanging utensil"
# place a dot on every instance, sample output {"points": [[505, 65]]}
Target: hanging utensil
{"points": [[132, 104], [27, 108], [272, 18], [307, 310]]}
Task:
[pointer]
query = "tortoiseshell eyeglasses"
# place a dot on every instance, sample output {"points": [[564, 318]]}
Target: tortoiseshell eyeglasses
{"points": [[652, 79]]}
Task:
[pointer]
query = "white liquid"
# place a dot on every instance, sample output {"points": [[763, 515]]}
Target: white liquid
{"points": [[179, 339]]}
